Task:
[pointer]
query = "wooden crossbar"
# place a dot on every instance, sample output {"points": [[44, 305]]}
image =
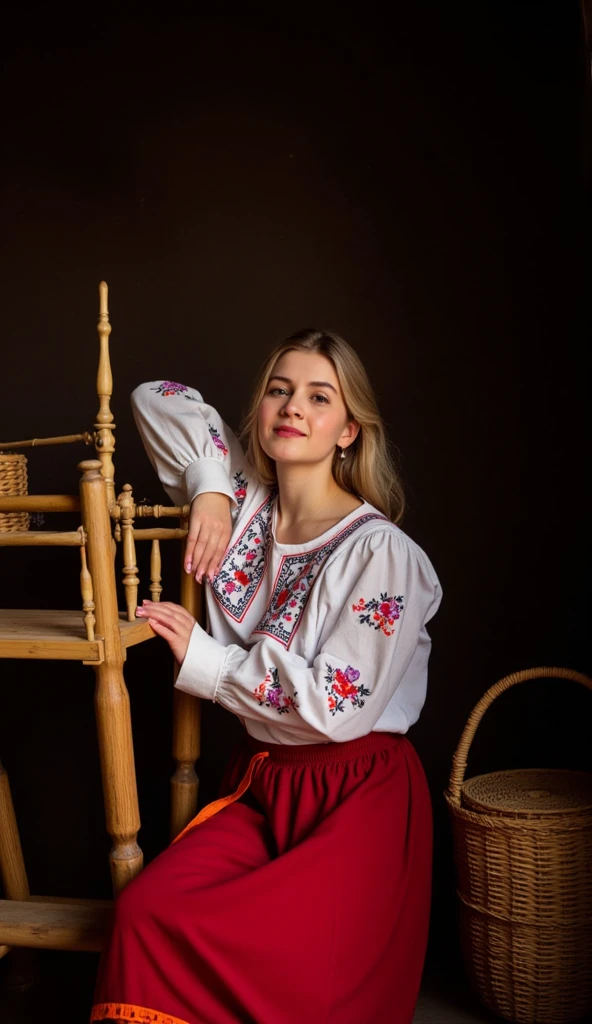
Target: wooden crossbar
{"points": [[160, 533], [41, 539], [40, 503], [54, 925]]}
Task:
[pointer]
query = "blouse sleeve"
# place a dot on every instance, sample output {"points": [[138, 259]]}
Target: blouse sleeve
{"points": [[188, 443], [387, 591]]}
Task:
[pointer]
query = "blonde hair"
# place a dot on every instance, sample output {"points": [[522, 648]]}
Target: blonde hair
{"points": [[368, 470]]}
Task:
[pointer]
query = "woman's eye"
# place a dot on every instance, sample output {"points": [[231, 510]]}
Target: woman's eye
{"points": [[320, 399]]}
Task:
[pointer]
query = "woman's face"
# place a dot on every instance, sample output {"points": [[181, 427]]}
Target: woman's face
{"points": [[302, 416]]}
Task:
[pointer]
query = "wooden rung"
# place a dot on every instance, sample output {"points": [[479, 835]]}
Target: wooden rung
{"points": [[160, 533], [162, 511], [42, 442], [40, 503], [55, 925], [41, 539]]}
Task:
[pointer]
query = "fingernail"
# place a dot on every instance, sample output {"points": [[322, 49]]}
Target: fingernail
{"points": [[199, 578], [139, 611], [187, 566]]}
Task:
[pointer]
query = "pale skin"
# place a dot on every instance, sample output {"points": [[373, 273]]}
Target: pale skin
{"points": [[303, 394]]}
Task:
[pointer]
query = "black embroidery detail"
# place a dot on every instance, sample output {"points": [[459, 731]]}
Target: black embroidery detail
{"points": [[242, 570], [294, 583]]}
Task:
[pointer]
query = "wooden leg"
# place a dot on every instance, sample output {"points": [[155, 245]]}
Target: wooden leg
{"points": [[116, 753], [22, 973], [12, 865], [112, 707], [184, 782], [186, 731]]}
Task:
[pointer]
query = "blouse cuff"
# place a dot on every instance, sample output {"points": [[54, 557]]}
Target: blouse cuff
{"points": [[202, 667], [207, 474]]}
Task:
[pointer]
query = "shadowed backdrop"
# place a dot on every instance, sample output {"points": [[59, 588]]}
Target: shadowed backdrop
{"points": [[419, 186]]}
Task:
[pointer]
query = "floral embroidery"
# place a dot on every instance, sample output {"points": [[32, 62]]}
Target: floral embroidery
{"points": [[242, 570], [380, 614], [294, 582], [240, 488], [214, 434], [341, 687], [170, 387], [270, 694]]}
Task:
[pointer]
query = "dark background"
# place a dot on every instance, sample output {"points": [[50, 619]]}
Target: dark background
{"points": [[420, 185]]}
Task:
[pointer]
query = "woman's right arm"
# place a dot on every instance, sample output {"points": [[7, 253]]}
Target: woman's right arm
{"points": [[198, 461]]}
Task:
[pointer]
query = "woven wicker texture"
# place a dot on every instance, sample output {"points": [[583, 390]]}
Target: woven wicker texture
{"points": [[529, 793], [524, 879], [13, 483]]}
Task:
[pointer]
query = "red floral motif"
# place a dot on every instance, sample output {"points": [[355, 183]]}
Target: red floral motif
{"points": [[380, 613], [216, 438], [167, 388], [241, 577], [240, 487], [270, 694], [340, 687]]}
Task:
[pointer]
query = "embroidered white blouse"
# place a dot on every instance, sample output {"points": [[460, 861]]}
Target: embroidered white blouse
{"points": [[307, 643]]}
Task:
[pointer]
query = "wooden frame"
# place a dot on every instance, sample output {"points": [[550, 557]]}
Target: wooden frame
{"points": [[96, 635]]}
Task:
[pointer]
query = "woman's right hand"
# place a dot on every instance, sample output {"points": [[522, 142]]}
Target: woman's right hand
{"points": [[210, 527]]}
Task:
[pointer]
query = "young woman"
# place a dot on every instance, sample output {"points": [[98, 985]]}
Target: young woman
{"points": [[307, 898]]}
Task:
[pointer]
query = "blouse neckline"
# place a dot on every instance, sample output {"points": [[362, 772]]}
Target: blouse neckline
{"points": [[316, 542]]}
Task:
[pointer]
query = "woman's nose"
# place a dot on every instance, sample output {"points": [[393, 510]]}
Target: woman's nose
{"points": [[292, 406]]}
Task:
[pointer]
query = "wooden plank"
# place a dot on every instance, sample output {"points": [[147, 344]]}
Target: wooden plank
{"points": [[135, 632], [76, 901], [48, 633], [59, 635], [55, 925]]}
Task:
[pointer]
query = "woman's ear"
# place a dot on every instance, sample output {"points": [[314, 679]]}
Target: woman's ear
{"points": [[350, 433]]}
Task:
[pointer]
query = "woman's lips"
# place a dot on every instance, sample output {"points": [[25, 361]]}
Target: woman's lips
{"points": [[287, 432]]}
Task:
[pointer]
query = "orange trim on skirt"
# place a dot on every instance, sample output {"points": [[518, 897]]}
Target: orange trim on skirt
{"points": [[217, 805], [132, 1014]]}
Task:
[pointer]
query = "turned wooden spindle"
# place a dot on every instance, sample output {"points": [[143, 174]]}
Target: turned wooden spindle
{"points": [[112, 706], [162, 511], [86, 589], [130, 569], [104, 426], [186, 728], [155, 571], [12, 865]]}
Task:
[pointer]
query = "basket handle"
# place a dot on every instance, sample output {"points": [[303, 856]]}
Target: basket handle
{"points": [[459, 761]]}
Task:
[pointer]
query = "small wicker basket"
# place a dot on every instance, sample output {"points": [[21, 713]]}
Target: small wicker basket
{"points": [[13, 483], [523, 847]]}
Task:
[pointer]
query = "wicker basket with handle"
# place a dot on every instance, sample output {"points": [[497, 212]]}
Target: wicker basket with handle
{"points": [[13, 483], [523, 849]]}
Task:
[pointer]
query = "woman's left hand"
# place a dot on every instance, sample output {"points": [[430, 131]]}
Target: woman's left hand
{"points": [[171, 621]]}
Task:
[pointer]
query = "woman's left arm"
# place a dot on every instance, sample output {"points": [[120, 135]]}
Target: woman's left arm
{"points": [[387, 590]]}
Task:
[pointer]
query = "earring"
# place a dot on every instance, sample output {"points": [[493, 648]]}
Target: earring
{"points": [[342, 453]]}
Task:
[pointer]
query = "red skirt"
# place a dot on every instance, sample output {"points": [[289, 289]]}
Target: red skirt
{"points": [[308, 900]]}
